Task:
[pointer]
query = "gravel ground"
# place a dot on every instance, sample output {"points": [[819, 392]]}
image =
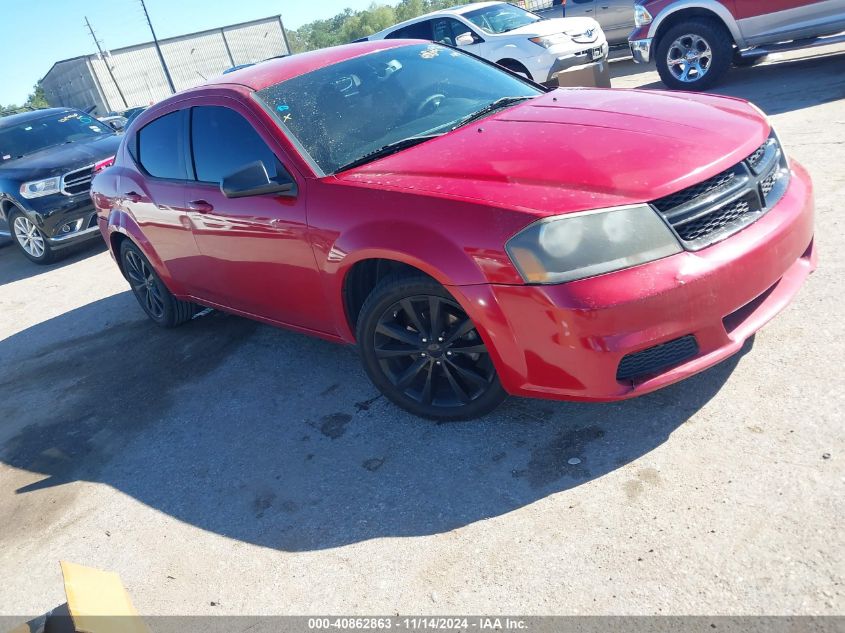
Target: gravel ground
{"points": [[228, 467]]}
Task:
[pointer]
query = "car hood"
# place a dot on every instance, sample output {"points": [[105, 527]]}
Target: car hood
{"points": [[578, 149], [58, 160], [572, 26]]}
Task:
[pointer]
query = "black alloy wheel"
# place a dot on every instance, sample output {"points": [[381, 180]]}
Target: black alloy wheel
{"points": [[424, 353], [153, 296]]}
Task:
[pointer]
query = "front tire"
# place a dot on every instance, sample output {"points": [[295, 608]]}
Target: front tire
{"points": [[694, 55], [423, 352], [30, 240], [159, 304]]}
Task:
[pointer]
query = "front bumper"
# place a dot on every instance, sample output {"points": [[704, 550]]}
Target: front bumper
{"points": [[641, 50], [64, 220], [567, 341]]}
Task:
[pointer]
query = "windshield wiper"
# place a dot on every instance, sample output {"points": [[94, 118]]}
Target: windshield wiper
{"points": [[502, 102], [390, 148]]}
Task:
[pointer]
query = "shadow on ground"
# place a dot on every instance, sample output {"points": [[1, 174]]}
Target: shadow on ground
{"points": [[278, 439], [14, 266], [777, 87]]}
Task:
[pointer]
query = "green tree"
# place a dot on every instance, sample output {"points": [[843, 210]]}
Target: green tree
{"points": [[350, 25]]}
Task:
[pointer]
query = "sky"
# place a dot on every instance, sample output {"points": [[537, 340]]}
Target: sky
{"points": [[37, 33]]}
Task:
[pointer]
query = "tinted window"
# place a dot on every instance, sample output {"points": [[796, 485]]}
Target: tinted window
{"points": [[418, 31], [160, 147], [447, 29], [223, 142]]}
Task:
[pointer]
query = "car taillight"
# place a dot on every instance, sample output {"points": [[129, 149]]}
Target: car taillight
{"points": [[106, 162]]}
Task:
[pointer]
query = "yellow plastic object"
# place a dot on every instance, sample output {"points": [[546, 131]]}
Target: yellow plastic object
{"points": [[97, 601]]}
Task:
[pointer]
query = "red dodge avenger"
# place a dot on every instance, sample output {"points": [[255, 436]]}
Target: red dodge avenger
{"points": [[474, 234]]}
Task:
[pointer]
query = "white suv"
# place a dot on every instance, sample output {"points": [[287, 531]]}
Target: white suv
{"points": [[540, 49]]}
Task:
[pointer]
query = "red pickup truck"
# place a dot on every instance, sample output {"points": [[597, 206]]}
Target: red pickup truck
{"points": [[694, 42]]}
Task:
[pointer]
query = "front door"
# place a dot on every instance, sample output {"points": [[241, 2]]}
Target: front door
{"points": [[255, 250], [767, 21]]}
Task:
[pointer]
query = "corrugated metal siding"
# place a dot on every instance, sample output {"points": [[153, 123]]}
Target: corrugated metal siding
{"points": [[191, 59], [72, 84], [532, 5], [256, 42]]}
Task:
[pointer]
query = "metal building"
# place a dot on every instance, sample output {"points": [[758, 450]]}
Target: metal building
{"points": [[82, 82]]}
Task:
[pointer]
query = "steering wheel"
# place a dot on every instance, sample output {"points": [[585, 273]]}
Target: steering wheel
{"points": [[431, 101]]}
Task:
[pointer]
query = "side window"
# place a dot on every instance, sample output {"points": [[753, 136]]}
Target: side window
{"points": [[447, 29], [159, 147], [418, 31], [223, 141]]}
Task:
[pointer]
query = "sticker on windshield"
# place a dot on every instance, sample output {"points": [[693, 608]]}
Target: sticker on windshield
{"points": [[27, 128], [283, 107], [429, 52], [6, 156], [85, 119], [69, 116], [95, 128]]}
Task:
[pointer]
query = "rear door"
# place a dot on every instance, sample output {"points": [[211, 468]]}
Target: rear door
{"points": [[153, 191], [581, 9], [616, 18], [256, 253]]}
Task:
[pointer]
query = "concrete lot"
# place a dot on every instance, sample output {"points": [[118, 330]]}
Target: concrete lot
{"points": [[227, 467]]}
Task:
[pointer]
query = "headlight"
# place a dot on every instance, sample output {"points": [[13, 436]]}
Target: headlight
{"points": [[570, 247], [38, 188], [641, 16], [547, 41]]}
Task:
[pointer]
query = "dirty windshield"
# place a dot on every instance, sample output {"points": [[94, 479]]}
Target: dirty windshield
{"points": [[35, 135], [344, 113]]}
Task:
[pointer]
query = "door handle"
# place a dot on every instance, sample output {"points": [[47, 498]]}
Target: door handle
{"points": [[132, 196], [200, 206]]}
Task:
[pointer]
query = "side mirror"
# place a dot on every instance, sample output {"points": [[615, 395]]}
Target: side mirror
{"points": [[465, 39], [252, 180]]}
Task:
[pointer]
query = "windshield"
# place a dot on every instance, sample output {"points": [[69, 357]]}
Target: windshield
{"points": [[35, 135], [501, 18], [346, 111]]}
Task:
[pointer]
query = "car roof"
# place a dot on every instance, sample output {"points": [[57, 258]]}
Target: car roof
{"points": [[273, 71], [23, 117], [456, 10]]}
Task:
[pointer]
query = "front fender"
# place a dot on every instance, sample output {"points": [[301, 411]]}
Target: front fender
{"points": [[718, 8], [425, 249]]}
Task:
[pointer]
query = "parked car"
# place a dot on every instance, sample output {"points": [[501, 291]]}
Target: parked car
{"points": [[694, 42], [115, 121], [616, 17], [513, 38], [476, 238], [132, 114], [47, 160]]}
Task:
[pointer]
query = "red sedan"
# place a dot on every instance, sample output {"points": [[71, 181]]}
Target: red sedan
{"points": [[475, 234]]}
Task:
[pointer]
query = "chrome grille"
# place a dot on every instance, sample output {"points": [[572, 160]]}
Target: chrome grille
{"points": [[720, 206], [78, 181]]}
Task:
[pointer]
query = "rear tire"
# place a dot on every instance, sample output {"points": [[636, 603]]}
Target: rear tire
{"points": [[423, 352], [160, 305], [694, 55], [30, 240]]}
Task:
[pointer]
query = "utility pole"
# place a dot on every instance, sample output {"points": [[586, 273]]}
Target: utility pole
{"points": [[106, 62], [158, 49]]}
